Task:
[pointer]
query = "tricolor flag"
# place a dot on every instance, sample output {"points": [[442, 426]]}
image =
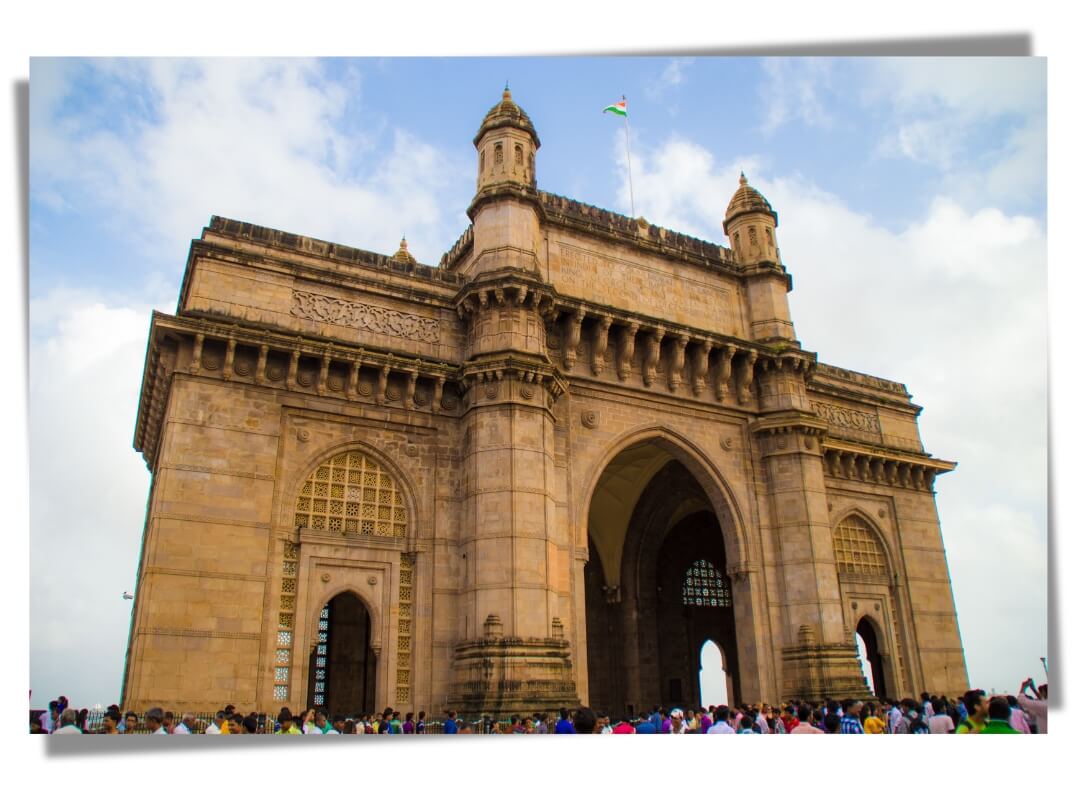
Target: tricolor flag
{"points": [[619, 108]]}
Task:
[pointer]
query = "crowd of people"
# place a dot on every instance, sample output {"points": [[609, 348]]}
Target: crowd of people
{"points": [[972, 713]]}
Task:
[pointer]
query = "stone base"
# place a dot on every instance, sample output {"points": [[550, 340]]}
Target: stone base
{"points": [[815, 671], [508, 676]]}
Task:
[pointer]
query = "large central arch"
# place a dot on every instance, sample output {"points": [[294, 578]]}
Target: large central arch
{"points": [[661, 531]]}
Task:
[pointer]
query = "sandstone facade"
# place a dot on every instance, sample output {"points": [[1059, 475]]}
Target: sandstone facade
{"points": [[540, 473]]}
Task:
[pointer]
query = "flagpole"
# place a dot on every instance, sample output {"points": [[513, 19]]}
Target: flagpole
{"points": [[629, 170]]}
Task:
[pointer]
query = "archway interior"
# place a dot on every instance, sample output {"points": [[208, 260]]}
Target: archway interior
{"points": [[713, 677], [655, 585], [870, 657], [342, 667]]}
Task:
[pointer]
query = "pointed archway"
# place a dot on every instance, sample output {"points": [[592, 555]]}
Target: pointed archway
{"points": [[343, 665], [866, 633]]}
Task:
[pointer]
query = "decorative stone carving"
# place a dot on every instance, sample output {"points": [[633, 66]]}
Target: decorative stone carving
{"points": [[846, 417], [745, 376], [572, 337], [700, 367], [723, 374], [600, 342], [380, 388], [652, 357], [303, 435], [412, 450], [527, 392], [590, 419], [372, 580], [626, 350], [325, 577], [678, 360], [373, 318]]}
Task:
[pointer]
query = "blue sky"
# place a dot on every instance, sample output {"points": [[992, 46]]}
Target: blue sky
{"points": [[912, 204]]}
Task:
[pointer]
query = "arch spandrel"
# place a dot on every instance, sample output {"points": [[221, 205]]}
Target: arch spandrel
{"points": [[722, 499]]}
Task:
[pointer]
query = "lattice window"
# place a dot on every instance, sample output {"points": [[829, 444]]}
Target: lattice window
{"points": [[706, 586], [322, 650], [858, 551], [352, 495], [286, 621], [405, 610]]}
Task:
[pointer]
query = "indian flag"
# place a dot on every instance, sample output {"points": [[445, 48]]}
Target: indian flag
{"points": [[619, 108]]}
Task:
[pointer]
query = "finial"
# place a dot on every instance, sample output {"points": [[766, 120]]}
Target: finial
{"points": [[404, 244], [742, 178], [506, 92]]}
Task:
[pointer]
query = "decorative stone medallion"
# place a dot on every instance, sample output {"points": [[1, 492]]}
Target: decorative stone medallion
{"points": [[590, 419]]}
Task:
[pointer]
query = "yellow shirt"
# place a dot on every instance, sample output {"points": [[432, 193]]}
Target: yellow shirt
{"points": [[874, 725]]}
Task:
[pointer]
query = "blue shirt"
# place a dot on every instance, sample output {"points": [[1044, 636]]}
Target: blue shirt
{"points": [[645, 727], [450, 727], [850, 725], [564, 727]]}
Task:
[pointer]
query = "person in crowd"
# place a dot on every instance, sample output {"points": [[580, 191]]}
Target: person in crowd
{"points": [[913, 721], [286, 722], [584, 721], [186, 724], [409, 725], [831, 723], [940, 722], [998, 713], [1035, 707], [646, 726], [131, 722], [69, 722], [871, 723], [564, 726], [1017, 719], [250, 725], [806, 725], [541, 723], [977, 706], [169, 724], [450, 727], [219, 720], [893, 716], [676, 722], [155, 720], [50, 717], [849, 723], [722, 724], [421, 723]]}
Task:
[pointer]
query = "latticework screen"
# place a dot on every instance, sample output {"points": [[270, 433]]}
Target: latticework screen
{"points": [[352, 495], [706, 586], [858, 551]]}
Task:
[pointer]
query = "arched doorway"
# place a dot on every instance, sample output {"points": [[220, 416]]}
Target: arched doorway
{"points": [[714, 678], [343, 666], [866, 635], [656, 586]]}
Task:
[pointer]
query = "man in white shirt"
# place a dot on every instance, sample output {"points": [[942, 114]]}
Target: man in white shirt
{"points": [[723, 721], [215, 727], [940, 722], [186, 724]]}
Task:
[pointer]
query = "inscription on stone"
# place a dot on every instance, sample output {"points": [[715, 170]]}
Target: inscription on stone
{"points": [[372, 318]]}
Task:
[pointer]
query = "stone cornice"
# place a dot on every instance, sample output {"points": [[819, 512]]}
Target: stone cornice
{"points": [[880, 465], [168, 333]]}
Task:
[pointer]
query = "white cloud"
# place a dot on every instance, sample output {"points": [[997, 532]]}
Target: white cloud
{"points": [[938, 108], [87, 490], [255, 140], [953, 305], [795, 90], [674, 74]]}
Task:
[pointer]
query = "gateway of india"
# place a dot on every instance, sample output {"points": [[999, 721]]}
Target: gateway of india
{"points": [[543, 473]]}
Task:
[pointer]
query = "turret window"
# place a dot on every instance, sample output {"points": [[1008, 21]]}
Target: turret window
{"points": [[519, 157], [498, 154], [482, 161], [753, 236]]}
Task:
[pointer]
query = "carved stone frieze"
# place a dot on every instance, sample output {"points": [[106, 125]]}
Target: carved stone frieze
{"points": [[373, 318]]}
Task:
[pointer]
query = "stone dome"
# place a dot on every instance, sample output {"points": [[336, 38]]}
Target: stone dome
{"points": [[507, 113], [745, 200]]}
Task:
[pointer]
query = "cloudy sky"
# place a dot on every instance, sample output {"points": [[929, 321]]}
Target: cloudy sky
{"points": [[912, 203]]}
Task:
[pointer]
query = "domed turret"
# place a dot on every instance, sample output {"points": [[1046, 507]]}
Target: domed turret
{"points": [[750, 223], [403, 255], [506, 145]]}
